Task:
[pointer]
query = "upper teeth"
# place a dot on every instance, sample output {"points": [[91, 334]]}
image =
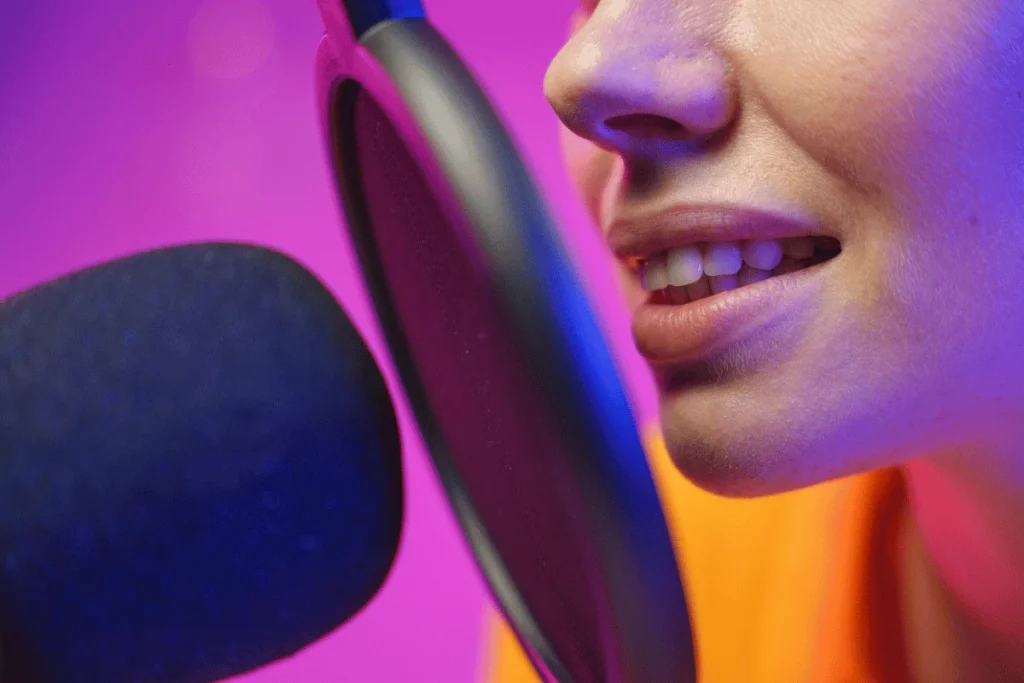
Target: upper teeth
{"points": [[682, 266]]}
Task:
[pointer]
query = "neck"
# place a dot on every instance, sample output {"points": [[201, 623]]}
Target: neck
{"points": [[963, 569]]}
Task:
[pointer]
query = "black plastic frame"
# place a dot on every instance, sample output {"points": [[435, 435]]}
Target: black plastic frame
{"points": [[455, 115]]}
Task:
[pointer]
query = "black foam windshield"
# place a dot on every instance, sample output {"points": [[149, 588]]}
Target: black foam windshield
{"points": [[199, 469], [504, 445]]}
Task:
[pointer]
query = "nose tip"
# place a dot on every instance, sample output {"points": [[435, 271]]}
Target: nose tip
{"points": [[627, 98]]}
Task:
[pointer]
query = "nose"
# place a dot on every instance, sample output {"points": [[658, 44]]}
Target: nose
{"points": [[631, 86]]}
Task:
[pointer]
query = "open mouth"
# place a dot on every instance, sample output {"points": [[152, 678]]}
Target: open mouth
{"points": [[682, 275]]}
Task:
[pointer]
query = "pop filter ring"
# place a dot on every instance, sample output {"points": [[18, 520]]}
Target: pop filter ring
{"points": [[450, 129]]}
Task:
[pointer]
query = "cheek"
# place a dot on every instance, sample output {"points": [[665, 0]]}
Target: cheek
{"points": [[596, 175], [875, 89], [591, 170], [915, 107]]}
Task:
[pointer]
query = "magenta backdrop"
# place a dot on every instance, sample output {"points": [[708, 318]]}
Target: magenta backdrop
{"points": [[127, 125]]}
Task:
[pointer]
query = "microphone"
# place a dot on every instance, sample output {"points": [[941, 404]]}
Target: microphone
{"points": [[200, 469]]}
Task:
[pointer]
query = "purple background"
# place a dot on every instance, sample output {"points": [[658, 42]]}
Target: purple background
{"points": [[127, 125]]}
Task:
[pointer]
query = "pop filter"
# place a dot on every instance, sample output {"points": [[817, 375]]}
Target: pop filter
{"points": [[504, 363]]}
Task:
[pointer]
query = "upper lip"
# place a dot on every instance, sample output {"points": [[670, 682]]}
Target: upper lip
{"points": [[640, 235]]}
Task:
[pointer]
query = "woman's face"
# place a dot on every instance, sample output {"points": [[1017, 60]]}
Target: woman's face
{"points": [[895, 127]]}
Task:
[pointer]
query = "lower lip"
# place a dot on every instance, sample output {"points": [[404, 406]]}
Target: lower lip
{"points": [[672, 333]]}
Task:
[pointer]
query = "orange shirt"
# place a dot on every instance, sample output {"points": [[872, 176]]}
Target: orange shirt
{"points": [[792, 588]]}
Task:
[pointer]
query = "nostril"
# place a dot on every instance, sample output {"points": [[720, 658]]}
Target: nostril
{"points": [[646, 126]]}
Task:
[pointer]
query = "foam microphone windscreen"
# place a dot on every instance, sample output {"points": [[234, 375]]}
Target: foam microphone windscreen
{"points": [[199, 469]]}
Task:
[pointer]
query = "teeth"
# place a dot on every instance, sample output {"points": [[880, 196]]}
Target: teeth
{"points": [[762, 254], [691, 273], [722, 258], [685, 266], [750, 275], [655, 273], [798, 247], [723, 283]]}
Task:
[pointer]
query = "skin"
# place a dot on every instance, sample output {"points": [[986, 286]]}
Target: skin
{"points": [[898, 125]]}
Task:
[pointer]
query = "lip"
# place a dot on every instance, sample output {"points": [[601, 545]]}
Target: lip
{"points": [[639, 236], [673, 334]]}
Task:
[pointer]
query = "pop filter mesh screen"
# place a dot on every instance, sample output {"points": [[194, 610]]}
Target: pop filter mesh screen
{"points": [[502, 437]]}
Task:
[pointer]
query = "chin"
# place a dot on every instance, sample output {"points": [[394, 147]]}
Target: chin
{"points": [[736, 442], [726, 465]]}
